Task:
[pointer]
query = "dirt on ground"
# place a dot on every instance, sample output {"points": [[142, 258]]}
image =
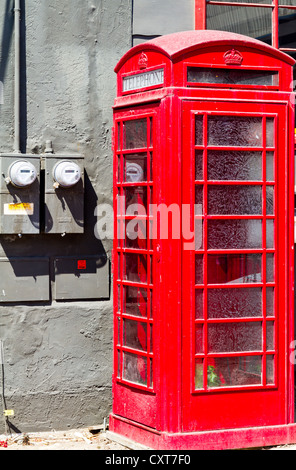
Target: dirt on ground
{"points": [[82, 439]]}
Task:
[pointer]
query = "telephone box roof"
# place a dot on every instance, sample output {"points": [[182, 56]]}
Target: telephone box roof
{"points": [[176, 44]]}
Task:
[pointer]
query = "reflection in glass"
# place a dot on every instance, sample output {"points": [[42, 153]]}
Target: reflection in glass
{"points": [[135, 200], [135, 334], [136, 234], [270, 370], [235, 371], [199, 374], [135, 168], [135, 301], [135, 268], [234, 269], [235, 131], [235, 234], [269, 200], [135, 368]]}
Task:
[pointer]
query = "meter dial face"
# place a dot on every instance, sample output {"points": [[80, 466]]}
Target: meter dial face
{"points": [[134, 172], [66, 173], [22, 173]]}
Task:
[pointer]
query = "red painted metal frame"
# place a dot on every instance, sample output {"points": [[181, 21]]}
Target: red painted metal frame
{"points": [[202, 406], [165, 416]]}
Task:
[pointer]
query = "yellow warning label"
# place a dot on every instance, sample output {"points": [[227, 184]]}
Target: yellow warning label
{"points": [[23, 208], [8, 412]]}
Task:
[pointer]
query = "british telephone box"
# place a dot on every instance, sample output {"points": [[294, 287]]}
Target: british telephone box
{"points": [[203, 246]]}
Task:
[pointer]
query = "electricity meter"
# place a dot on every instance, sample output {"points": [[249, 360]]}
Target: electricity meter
{"points": [[21, 174], [66, 174], [134, 172]]}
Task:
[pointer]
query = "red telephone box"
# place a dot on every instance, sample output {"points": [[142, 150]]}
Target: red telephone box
{"points": [[203, 246]]}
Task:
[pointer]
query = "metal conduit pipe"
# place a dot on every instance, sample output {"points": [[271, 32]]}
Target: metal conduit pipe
{"points": [[17, 118]]}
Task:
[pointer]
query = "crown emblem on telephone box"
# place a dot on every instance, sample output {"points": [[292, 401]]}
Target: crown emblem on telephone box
{"points": [[233, 57], [143, 61]]}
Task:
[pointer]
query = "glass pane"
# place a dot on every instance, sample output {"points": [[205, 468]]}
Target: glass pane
{"points": [[118, 136], [199, 165], [235, 200], [199, 269], [135, 134], [234, 337], [136, 234], [269, 200], [269, 267], [119, 176], [232, 76], [199, 198], [236, 234], [235, 371], [151, 166], [269, 132], [235, 131], [151, 372], [269, 166], [135, 200], [135, 268], [269, 233], [135, 168], [135, 301], [269, 301], [151, 132], [199, 339], [234, 303], [254, 22], [233, 165], [135, 368], [270, 370], [199, 374], [198, 233], [234, 269], [199, 130], [199, 304], [270, 336], [135, 335]]}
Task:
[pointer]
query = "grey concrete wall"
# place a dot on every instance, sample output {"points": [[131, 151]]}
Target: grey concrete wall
{"points": [[58, 356]]}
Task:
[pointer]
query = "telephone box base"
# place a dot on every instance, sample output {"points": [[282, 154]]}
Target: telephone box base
{"points": [[242, 438]]}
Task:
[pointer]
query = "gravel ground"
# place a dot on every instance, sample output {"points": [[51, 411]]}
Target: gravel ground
{"points": [[82, 439]]}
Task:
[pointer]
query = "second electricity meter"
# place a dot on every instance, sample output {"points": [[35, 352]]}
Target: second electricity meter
{"points": [[21, 173], [66, 174]]}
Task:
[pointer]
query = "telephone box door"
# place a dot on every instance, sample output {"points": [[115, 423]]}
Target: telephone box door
{"points": [[235, 361]]}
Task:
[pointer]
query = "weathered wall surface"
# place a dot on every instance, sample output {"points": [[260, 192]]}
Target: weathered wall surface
{"points": [[58, 356]]}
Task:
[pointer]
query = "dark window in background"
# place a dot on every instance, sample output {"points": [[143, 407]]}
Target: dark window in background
{"points": [[152, 18]]}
